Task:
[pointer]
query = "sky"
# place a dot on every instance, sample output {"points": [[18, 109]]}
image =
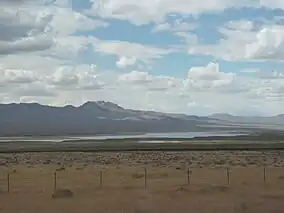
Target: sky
{"points": [[182, 56]]}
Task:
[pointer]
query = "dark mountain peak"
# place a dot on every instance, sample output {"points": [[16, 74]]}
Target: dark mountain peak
{"points": [[109, 104], [88, 104], [102, 105]]}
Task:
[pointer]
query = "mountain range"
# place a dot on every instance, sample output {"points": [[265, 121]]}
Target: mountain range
{"points": [[33, 119], [273, 120]]}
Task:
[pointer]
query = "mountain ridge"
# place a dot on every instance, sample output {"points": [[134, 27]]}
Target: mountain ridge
{"points": [[103, 117], [276, 119], [89, 118], [96, 103]]}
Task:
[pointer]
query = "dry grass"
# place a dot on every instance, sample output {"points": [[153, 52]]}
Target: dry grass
{"points": [[62, 193], [137, 175], [213, 189], [274, 195], [123, 188]]}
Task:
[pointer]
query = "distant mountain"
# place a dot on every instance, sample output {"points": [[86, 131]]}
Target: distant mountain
{"points": [[90, 118], [273, 120], [109, 118]]}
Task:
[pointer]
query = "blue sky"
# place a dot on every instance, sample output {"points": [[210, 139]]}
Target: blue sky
{"points": [[194, 57], [207, 31]]}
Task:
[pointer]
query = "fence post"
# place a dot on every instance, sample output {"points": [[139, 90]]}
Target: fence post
{"points": [[8, 182], [264, 174], [145, 178], [101, 179], [55, 181], [228, 176], [188, 176]]}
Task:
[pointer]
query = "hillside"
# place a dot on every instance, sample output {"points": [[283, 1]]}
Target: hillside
{"points": [[90, 118]]}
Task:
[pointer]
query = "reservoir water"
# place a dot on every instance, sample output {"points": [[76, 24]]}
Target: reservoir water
{"points": [[174, 135]]}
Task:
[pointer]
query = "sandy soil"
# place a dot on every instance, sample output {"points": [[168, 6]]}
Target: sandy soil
{"points": [[122, 189]]}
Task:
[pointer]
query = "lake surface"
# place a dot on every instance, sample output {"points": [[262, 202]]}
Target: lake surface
{"points": [[176, 135]]}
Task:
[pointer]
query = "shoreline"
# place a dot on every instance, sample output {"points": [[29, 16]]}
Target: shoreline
{"points": [[137, 147], [253, 142]]}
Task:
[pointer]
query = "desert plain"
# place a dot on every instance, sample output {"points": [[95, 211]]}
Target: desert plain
{"points": [[143, 182]]}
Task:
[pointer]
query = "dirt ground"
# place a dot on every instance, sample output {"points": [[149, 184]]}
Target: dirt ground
{"points": [[230, 182]]}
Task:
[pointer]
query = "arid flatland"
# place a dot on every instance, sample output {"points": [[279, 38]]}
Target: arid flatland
{"points": [[247, 187]]}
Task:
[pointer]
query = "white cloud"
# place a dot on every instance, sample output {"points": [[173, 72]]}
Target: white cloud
{"points": [[144, 53], [177, 26], [243, 25], [209, 73], [23, 83], [124, 62], [17, 76], [272, 75], [231, 47], [34, 91], [189, 39], [61, 3], [243, 44], [208, 78], [30, 44], [65, 21], [139, 13], [50, 86], [162, 27], [74, 78], [136, 77], [22, 30], [34, 27], [67, 46], [272, 4], [269, 44], [150, 82], [31, 62]]}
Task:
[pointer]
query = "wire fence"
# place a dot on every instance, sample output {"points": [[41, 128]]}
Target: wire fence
{"points": [[84, 179]]}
